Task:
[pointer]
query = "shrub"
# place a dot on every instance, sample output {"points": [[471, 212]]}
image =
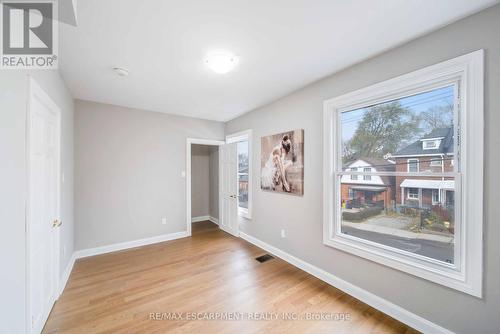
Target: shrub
{"points": [[362, 215]]}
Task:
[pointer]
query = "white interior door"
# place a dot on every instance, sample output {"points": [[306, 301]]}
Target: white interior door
{"points": [[43, 207], [229, 189]]}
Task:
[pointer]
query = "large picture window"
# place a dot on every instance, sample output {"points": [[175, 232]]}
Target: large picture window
{"points": [[386, 196]]}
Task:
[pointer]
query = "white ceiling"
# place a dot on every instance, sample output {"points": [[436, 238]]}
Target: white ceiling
{"points": [[282, 45]]}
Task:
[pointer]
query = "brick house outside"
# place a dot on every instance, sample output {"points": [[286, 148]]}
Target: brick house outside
{"points": [[431, 153], [368, 190]]}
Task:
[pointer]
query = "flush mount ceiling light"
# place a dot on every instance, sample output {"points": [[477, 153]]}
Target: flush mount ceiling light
{"points": [[123, 72], [221, 61]]}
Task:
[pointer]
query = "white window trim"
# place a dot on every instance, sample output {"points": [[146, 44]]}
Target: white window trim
{"points": [[410, 197], [438, 194], [354, 169], [425, 143], [245, 135], [434, 164], [468, 71], [408, 162], [367, 177]]}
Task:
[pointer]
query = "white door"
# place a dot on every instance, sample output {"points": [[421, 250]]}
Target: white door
{"points": [[229, 189], [43, 206]]}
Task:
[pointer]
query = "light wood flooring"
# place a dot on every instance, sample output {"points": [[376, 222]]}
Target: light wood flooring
{"points": [[212, 274]]}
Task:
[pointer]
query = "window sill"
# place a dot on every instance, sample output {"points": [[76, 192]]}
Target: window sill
{"points": [[413, 264]]}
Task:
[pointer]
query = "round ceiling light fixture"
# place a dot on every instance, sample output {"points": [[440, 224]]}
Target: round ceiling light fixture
{"points": [[221, 61], [123, 72]]}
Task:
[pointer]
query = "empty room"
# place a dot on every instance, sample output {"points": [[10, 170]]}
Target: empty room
{"points": [[222, 166]]}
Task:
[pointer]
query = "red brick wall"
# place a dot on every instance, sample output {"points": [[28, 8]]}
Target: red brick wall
{"points": [[385, 196], [424, 165]]}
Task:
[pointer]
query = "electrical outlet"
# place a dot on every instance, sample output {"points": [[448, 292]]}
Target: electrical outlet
{"points": [[283, 234], [164, 221]]}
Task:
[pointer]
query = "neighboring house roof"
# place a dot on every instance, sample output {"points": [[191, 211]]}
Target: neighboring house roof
{"points": [[417, 148], [428, 184], [380, 165], [369, 188], [437, 133]]}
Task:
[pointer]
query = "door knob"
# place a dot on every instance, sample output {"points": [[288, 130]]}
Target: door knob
{"points": [[56, 223]]}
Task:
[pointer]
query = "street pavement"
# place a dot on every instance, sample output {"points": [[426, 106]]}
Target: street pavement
{"points": [[438, 250]]}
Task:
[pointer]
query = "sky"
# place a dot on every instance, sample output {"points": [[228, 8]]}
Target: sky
{"points": [[416, 103], [242, 147]]}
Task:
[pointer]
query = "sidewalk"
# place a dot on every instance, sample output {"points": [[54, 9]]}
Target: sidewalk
{"points": [[397, 232]]}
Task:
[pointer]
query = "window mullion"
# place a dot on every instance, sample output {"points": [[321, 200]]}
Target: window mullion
{"points": [[412, 174]]}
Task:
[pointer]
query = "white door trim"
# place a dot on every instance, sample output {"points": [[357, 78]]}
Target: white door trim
{"points": [[35, 90], [189, 142]]}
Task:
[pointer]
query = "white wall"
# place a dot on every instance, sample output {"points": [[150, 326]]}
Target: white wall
{"points": [[128, 167], [301, 217], [13, 99], [200, 180]]}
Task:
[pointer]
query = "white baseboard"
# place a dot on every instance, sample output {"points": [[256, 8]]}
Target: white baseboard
{"points": [[67, 272], [199, 219], [369, 298], [128, 244], [205, 218]]}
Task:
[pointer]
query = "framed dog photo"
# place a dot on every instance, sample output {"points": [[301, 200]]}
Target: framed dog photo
{"points": [[282, 162]]}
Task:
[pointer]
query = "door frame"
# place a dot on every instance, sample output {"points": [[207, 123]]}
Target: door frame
{"points": [[34, 90], [189, 143]]}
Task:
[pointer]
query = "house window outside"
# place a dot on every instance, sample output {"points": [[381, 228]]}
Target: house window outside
{"points": [[435, 196], [406, 121], [436, 162], [354, 169], [413, 193], [430, 144], [367, 177], [413, 165]]}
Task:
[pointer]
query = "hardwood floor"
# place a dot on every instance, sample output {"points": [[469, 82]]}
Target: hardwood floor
{"points": [[210, 274]]}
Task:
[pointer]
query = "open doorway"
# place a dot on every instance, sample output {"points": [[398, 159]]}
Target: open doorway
{"points": [[219, 190], [202, 181]]}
